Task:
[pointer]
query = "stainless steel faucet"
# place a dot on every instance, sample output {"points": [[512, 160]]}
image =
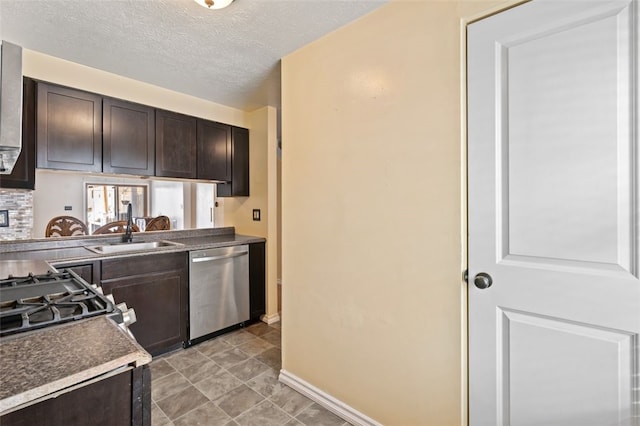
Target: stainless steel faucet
{"points": [[127, 237]]}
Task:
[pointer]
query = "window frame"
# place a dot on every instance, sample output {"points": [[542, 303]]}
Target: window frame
{"points": [[117, 186]]}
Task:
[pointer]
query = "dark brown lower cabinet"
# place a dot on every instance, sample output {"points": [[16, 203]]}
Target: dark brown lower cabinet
{"points": [[155, 286], [122, 399], [257, 281]]}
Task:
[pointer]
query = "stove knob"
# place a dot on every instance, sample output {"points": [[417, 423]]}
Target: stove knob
{"points": [[97, 289], [129, 317], [128, 314]]}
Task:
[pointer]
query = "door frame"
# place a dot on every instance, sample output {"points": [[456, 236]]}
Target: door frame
{"points": [[464, 195]]}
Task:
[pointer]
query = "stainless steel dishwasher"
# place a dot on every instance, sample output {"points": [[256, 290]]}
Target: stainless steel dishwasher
{"points": [[218, 289]]}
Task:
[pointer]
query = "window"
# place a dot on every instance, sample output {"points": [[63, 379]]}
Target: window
{"points": [[108, 203]]}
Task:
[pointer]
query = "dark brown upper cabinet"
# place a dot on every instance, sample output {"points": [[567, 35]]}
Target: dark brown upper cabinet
{"points": [[128, 138], [69, 129], [23, 175], [214, 150], [87, 132], [175, 145], [239, 185]]}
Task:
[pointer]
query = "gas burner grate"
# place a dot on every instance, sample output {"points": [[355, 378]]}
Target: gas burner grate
{"points": [[12, 281], [37, 301]]}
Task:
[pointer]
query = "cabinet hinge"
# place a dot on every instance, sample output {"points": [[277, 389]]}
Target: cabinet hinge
{"points": [[465, 276]]}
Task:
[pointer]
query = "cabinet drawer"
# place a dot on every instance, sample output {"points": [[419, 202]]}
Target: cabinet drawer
{"points": [[139, 265]]}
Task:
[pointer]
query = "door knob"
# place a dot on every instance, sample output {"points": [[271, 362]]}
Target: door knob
{"points": [[483, 280]]}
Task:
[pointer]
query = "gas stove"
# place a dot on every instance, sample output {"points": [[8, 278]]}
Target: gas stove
{"points": [[62, 353], [42, 300]]}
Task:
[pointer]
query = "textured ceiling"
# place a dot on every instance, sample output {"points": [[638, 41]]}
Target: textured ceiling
{"points": [[229, 56]]}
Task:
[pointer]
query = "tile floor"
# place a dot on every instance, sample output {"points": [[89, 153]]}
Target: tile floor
{"points": [[229, 381]]}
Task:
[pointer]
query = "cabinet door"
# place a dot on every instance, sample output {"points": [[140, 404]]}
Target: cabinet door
{"points": [[155, 299], [69, 129], [155, 286], [257, 280], [128, 139], [175, 145], [23, 175], [110, 401], [214, 151], [239, 186]]}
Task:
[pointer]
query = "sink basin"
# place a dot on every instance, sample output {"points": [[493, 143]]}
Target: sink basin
{"points": [[125, 247]]}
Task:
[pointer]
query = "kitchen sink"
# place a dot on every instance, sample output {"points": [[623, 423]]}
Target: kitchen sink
{"points": [[125, 247]]}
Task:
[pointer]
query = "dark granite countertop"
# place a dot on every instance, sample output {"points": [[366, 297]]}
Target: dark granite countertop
{"points": [[70, 249], [32, 366]]}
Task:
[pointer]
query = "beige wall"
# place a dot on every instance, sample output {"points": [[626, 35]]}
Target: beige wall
{"points": [[279, 233], [53, 192], [372, 236]]}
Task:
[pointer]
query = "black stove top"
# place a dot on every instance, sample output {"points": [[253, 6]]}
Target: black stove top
{"points": [[36, 301]]}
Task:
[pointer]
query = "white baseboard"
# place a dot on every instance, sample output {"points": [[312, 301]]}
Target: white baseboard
{"points": [[332, 404], [270, 319]]}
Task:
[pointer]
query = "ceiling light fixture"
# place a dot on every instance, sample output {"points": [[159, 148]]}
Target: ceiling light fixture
{"points": [[214, 4]]}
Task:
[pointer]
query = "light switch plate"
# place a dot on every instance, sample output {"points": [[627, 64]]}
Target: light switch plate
{"points": [[256, 214]]}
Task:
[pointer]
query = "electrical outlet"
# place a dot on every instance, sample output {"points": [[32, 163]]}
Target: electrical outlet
{"points": [[256, 214], [4, 218]]}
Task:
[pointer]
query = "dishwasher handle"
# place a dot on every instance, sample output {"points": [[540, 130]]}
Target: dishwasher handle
{"points": [[225, 256]]}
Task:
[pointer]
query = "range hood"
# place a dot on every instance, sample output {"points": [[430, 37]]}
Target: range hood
{"points": [[10, 106]]}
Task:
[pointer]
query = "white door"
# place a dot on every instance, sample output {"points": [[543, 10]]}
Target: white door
{"points": [[554, 215]]}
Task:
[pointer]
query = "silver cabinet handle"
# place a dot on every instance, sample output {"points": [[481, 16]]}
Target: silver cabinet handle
{"points": [[226, 256]]}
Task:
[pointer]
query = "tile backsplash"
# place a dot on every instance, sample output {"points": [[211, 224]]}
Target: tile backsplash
{"points": [[19, 202]]}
